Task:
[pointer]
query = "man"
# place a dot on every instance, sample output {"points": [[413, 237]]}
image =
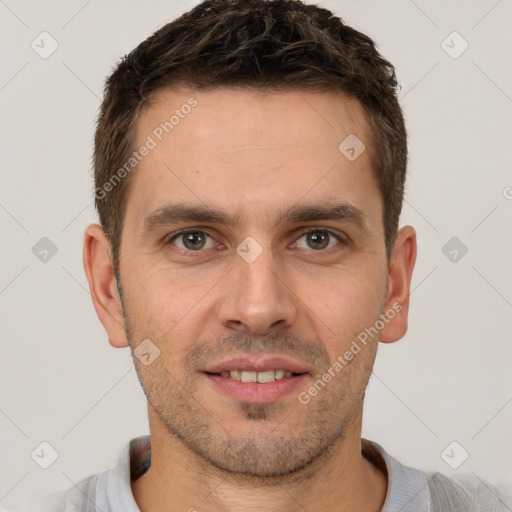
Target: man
{"points": [[250, 161]]}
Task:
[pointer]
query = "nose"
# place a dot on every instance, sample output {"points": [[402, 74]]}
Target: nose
{"points": [[256, 297]]}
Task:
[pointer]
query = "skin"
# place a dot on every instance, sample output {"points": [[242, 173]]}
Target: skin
{"points": [[253, 155]]}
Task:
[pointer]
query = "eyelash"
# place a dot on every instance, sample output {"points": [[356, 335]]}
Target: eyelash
{"points": [[193, 254]]}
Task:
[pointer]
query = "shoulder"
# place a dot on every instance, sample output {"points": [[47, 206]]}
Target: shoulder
{"points": [[80, 498], [466, 492], [415, 490]]}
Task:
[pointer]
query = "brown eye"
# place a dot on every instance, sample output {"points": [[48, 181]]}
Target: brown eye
{"points": [[193, 240], [318, 240]]}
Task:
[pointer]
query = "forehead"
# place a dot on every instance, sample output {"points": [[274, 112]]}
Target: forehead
{"points": [[239, 148], [273, 119]]}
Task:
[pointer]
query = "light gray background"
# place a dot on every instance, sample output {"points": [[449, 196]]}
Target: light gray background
{"points": [[447, 380]]}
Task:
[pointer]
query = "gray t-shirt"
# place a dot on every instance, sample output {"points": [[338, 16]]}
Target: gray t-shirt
{"points": [[409, 490]]}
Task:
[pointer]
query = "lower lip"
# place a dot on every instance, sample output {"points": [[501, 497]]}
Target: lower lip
{"points": [[252, 392]]}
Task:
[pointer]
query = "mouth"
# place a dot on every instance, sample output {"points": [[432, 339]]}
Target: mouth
{"points": [[262, 377], [257, 381]]}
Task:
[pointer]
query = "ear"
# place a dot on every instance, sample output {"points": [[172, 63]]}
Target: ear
{"points": [[399, 285], [98, 267]]}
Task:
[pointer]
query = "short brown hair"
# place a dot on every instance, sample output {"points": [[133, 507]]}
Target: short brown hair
{"points": [[274, 45]]}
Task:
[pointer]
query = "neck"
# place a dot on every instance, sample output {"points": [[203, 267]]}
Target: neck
{"points": [[340, 479]]}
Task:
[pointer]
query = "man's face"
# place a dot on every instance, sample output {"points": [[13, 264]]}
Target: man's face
{"points": [[273, 288]]}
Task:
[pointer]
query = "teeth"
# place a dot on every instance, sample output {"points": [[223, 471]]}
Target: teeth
{"points": [[261, 377], [268, 376], [279, 374], [248, 377]]}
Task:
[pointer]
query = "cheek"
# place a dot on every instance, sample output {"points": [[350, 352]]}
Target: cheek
{"points": [[344, 307], [159, 300], [165, 311]]}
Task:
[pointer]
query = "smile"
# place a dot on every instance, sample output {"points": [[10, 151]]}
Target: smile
{"points": [[262, 377]]}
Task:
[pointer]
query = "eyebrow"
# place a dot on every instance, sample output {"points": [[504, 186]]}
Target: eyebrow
{"points": [[174, 214]]}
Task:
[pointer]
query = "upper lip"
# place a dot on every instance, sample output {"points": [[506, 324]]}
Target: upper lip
{"points": [[257, 364]]}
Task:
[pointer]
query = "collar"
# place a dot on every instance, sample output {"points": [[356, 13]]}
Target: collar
{"points": [[407, 487]]}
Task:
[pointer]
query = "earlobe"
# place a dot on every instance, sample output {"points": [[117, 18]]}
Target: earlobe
{"points": [[399, 285], [97, 260]]}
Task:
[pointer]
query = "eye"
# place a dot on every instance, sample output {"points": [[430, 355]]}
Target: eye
{"points": [[318, 239], [193, 240]]}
